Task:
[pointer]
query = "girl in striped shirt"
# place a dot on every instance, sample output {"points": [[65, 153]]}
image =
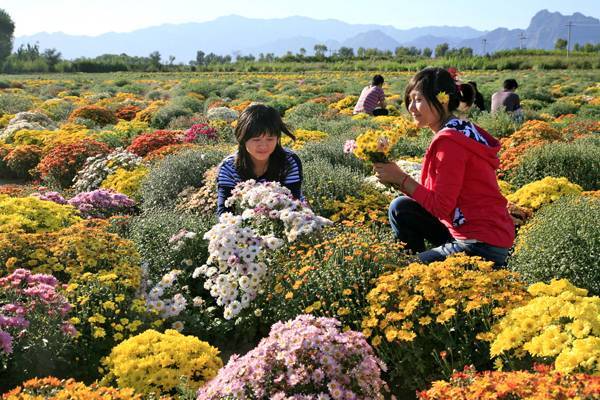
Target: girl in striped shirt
{"points": [[260, 155]]}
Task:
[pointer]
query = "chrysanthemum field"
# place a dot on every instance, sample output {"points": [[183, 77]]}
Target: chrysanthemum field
{"points": [[118, 281]]}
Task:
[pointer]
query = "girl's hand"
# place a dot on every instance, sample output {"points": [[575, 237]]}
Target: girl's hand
{"points": [[388, 172]]}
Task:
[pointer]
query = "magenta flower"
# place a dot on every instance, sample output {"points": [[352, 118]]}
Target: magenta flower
{"points": [[6, 342], [198, 131], [26, 297], [102, 203], [308, 353], [52, 196]]}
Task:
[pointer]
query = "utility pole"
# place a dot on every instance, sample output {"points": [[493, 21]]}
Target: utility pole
{"points": [[521, 38], [484, 43], [570, 24]]}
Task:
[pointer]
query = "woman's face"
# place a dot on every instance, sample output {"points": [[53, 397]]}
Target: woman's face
{"points": [[261, 147], [424, 115]]}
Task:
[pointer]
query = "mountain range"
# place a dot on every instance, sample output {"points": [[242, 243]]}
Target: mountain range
{"points": [[239, 35]]}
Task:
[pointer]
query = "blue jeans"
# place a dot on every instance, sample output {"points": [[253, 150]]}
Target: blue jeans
{"points": [[412, 224]]}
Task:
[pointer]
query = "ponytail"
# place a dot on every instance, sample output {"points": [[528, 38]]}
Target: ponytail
{"points": [[466, 93], [433, 81]]}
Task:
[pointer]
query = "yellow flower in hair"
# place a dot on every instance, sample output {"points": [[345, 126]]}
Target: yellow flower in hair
{"points": [[443, 97]]}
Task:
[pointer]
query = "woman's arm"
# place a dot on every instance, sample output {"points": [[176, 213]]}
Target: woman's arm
{"points": [[293, 180], [441, 199], [296, 189], [450, 167], [223, 193]]}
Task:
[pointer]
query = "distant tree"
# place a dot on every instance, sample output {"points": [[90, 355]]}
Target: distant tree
{"points": [[7, 29], [52, 57], [576, 47], [288, 57], [302, 51], [28, 52], [560, 44], [376, 53], [171, 60], [248, 58], [360, 52], [155, 60], [427, 52], [465, 52], [406, 51], [441, 49], [400, 51], [210, 58], [346, 52], [320, 50], [200, 58]]}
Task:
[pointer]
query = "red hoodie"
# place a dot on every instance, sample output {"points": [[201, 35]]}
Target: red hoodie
{"points": [[459, 172]]}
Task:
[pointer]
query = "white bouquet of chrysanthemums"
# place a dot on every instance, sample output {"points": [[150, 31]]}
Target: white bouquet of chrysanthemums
{"points": [[238, 244], [271, 201], [234, 269]]}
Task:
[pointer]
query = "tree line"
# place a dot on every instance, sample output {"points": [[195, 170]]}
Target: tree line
{"points": [[28, 58]]}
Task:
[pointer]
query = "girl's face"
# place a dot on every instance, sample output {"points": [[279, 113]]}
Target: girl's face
{"points": [[424, 115], [261, 147]]}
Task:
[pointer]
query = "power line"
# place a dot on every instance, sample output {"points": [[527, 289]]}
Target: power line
{"points": [[570, 25]]}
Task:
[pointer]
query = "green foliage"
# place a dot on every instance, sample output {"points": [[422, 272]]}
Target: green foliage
{"points": [[174, 173], [331, 280], [561, 108], [189, 103], [562, 241], [589, 111], [413, 146], [112, 139], [12, 103], [152, 230], [532, 104], [324, 182], [578, 161], [539, 94], [305, 111], [498, 124], [166, 114], [331, 150]]}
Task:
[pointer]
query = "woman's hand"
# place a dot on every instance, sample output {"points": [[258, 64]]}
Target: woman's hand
{"points": [[392, 174], [389, 172]]}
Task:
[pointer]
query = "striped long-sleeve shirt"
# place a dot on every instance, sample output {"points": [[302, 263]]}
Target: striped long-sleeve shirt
{"points": [[229, 177], [370, 98]]}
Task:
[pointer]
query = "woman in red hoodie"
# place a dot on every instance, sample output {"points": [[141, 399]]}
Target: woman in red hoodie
{"points": [[457, 206]]}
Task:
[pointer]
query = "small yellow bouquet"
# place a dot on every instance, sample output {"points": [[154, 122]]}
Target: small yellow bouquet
{"points": [[375, 145]]}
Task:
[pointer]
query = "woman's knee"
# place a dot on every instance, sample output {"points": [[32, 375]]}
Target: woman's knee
{"points": [[400, 205]]}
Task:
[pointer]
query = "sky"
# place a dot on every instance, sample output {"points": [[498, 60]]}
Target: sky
{"points": [[94, 17]]}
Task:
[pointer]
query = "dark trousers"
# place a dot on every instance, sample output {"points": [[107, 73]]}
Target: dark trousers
{"points": [[412, 224], [380, 111]]}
